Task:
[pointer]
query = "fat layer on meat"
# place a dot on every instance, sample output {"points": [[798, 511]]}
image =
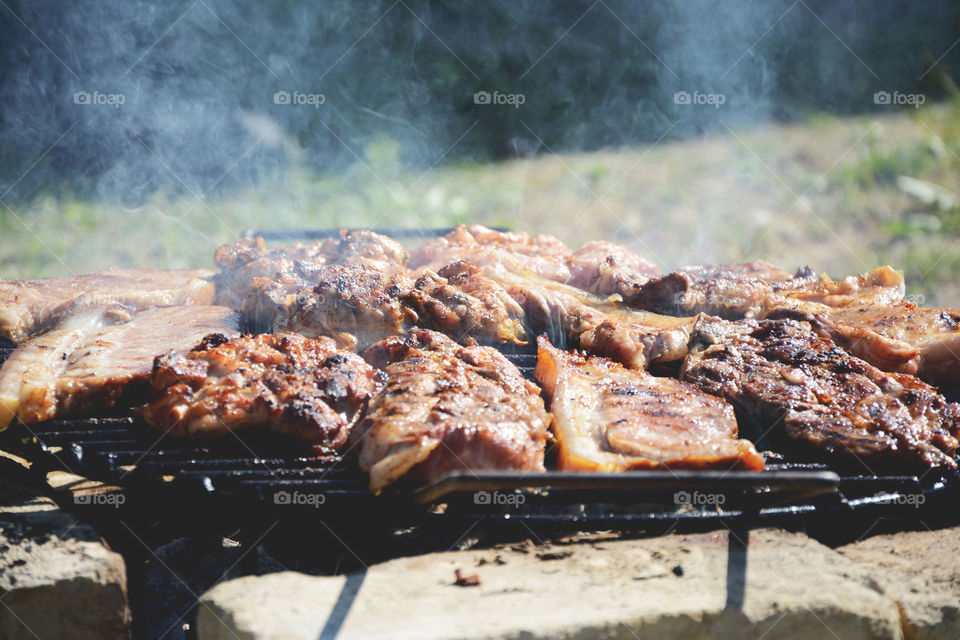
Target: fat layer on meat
{"points": [[784, 379], [97, 358], [445, 408], [303, 387], [609, 418], [28, 307]]}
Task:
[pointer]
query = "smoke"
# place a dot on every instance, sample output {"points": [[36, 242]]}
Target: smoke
{"points": [[120, 99]]}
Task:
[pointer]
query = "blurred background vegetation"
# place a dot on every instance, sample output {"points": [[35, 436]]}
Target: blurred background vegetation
{"points": [[805, 162]]}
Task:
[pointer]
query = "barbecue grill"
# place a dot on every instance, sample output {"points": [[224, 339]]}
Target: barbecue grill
{"points": [[289, 479]]}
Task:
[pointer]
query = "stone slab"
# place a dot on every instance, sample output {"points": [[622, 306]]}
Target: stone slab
{"points": [[773, 584]]}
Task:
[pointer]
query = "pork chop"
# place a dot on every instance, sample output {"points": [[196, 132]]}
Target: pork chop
{"points": [[445, 408], [609, 418]]}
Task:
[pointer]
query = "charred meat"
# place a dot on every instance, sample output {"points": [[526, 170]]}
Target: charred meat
{"points": [[781, 376], [445, 408], [303, 387], [609, 418]]}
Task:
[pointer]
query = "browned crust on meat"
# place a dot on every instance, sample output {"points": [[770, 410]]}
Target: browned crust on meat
{"points": [[304, 387]]}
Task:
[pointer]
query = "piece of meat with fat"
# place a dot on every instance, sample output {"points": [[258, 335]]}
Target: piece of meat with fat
{"points": [[573, 318], [98, 358], [782, 377], [753, 290], [609, 418], [898, 337], [31, 306], [447, 408], [303, 387], [602, 268]]}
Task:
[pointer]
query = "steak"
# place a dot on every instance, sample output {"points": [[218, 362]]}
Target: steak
{"points": [[782, 377], [98, 358], [28, 307], [447, 408], [303, 387], [609, 418]]}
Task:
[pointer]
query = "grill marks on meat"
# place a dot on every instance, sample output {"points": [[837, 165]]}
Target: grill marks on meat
{"points": [[601, 268], [303, 387], [608, 418], [30, 306], [98, 358], [445, 408], [897, 337], [780, 374]]}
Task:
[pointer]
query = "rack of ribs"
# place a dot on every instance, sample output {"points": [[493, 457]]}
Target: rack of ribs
{"points": [[446, 407], [303, 387], [783, 378], [609, 418]]}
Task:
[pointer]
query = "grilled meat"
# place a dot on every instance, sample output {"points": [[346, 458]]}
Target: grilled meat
{"points": [[360, 305], [729, 291], [303, 387], [446, 408], [30, 306], [353, 303], [605, 268], [753, 290], [241, 263], [897, 337], [602, 268], [572, 318], [780, 375], [97, 358], [608, 418]]}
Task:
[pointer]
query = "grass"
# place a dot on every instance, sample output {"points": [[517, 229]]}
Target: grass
{"points": [[829, 193]]}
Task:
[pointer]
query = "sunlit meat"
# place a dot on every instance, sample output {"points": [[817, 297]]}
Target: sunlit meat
{"points": [[303, 387], [780, 376], [609, 418], [97, 358], [28, 307], [446, 408]]}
